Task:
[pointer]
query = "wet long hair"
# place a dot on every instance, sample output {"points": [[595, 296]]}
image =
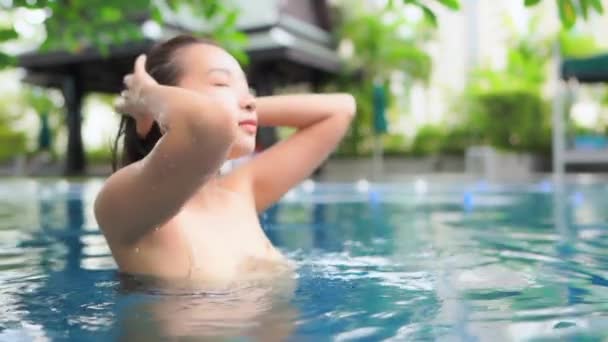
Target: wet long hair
{"points": [[162, 65]]}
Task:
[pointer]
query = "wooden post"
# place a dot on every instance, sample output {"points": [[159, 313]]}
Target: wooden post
{"points": [[73, 94]]}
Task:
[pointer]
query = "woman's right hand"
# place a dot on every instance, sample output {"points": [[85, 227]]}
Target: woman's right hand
{"points": [[133, 100]]}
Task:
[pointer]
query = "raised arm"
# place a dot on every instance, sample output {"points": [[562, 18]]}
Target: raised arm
{"points": [[321, 121], [198, 133]]}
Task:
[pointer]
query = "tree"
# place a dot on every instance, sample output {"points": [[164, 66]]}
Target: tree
{"points": [[569, 10], [12, 141], [383, 42], [75, 24], [28, 100], [48, 111], [504, 108], [380, 46]]}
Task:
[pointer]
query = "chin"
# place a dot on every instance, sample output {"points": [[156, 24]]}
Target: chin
{"points": [[242, 149]]}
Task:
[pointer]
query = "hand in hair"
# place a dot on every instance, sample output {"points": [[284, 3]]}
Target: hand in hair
{"points": [[132, 100]]}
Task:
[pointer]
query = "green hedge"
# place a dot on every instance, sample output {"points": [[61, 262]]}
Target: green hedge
{"points": [[101, 155], [516, 120], [428, 141], [12, 144], [435, 139]]}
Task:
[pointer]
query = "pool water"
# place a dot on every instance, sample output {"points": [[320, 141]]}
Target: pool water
{"points": [[456, 261]]}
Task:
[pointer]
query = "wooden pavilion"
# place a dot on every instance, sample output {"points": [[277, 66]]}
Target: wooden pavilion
{"points": [[289, 42]]}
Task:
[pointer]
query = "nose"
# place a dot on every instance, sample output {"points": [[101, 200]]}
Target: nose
{"points": [[248, 102]]}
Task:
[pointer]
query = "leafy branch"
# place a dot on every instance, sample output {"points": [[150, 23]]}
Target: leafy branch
{"points": [[77, 24], [569, 10]]}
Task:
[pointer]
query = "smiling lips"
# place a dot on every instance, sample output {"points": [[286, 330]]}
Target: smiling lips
{"points": [[250, 125]]}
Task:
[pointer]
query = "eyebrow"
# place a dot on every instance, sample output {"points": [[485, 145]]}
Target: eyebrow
{"points": [[225, 71], [221, 70]]}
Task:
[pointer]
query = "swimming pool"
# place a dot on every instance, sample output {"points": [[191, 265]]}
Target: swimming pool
{"points": [[421, 260]]}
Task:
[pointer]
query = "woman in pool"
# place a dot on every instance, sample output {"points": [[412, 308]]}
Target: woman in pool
{"points": [[167, 212]]}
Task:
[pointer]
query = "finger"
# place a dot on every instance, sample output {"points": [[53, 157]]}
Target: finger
{"points": [[140, 65], [128, 80], [120, 105]]}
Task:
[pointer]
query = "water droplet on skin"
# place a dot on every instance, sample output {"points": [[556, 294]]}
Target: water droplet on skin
{"points": [[156, 229], [136, 249]]}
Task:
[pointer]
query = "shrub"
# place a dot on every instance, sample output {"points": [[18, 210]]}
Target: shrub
{"points": [[12, 144], [513, 120], [394, 144], [457, 139], [101, 155], [429, 140]]}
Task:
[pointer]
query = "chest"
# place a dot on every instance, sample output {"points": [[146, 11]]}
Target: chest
{"points": [[231, 231], [220, 240]]}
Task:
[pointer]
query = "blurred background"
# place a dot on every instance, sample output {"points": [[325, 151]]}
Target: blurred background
{"points": [[437, 218], [490, 88]]}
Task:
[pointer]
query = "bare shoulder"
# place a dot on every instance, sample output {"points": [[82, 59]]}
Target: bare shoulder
{"points": [[162, 251], [109, 200], [114, 205]]}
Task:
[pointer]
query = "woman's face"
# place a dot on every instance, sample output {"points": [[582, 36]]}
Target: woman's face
{"points": [[212, 70]]}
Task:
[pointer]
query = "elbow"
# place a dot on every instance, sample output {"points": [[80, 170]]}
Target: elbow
{"points": [[218, 129], [348, 106], [351, 106]]}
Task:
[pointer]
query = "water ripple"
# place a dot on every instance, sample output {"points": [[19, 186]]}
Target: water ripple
{"points": [[460, 261]]}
